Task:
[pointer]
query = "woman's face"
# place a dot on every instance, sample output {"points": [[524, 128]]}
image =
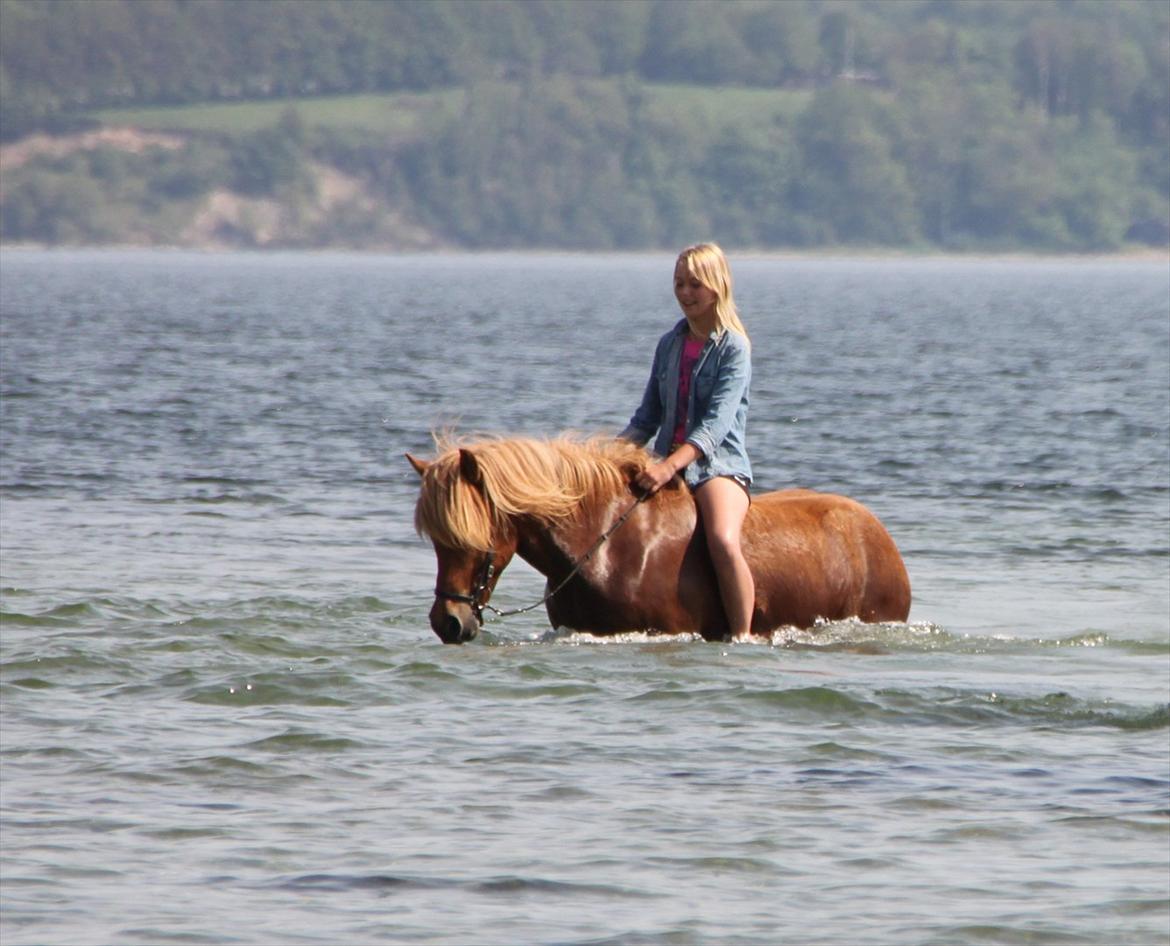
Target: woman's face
{"points": [[696, 300]]}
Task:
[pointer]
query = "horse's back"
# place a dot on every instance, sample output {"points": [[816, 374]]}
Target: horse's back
{"points": [[821, 555], [798, 508]]}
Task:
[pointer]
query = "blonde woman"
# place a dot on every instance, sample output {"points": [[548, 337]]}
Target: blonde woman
{"points": [[697, 401]]}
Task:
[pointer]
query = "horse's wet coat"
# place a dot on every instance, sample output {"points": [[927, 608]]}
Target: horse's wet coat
{"points": [[814, 556]]}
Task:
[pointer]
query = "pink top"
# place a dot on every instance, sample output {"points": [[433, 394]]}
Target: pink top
{"points": [[690, 355]]}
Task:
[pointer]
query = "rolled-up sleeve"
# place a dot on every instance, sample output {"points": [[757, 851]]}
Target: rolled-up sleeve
{"points": [[648, 416]]}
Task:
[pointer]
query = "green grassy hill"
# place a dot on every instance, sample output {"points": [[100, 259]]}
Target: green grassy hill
{"points": [[973, 126], [398, 114]]}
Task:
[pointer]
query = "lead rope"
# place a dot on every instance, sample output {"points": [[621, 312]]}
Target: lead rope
{"points": [[577, 566]]}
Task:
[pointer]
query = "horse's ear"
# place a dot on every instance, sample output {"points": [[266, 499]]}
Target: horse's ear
{"points": [[420, 466], [469, 467]]}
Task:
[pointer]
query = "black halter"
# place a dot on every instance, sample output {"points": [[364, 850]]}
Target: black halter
{"points": [[479, 588]]}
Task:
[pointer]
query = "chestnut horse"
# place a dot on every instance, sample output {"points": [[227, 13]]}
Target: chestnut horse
{"points": [[615, 563]]}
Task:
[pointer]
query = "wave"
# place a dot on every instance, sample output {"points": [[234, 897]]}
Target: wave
{"points": [[352, 650], [1058, 710], [932, 707], [860, 637], [268, 624], [274, 609], [508, 885]]}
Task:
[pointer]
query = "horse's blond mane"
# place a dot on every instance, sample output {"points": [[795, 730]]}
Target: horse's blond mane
{"points": [[545, 479]]}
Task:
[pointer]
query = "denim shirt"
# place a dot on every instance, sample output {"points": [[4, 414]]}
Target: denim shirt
{"points": [[716, 407]]}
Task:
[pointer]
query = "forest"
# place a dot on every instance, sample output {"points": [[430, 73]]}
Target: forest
{"points": [[919, 125]]}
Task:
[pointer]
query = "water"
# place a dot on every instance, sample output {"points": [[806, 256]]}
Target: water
{"points": [[225, 719]]}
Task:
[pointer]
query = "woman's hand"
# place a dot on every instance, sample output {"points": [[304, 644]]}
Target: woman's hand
{"points": [[661, 472], [655, 476]]}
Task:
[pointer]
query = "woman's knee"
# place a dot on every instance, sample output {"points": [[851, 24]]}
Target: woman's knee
{"points": [[723, 544]]}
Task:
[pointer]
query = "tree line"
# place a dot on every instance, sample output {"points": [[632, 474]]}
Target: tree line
{"points": [[959, 124]]}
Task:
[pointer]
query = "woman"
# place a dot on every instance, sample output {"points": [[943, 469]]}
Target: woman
{"points": [[697, 401]]}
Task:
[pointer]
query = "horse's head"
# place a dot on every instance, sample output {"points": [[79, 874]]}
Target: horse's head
{"points": [[480, 502], [452, 511]]}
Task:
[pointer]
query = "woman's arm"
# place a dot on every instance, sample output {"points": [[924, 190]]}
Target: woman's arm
{"points": [[648, 416]]}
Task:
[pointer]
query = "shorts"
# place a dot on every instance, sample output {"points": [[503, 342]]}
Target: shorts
{"points": [[743, 482]]}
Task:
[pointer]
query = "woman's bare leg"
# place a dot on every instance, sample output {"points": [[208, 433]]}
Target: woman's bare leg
{"points": [[723, 503]]}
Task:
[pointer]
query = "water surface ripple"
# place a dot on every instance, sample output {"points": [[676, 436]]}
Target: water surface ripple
{"points": [[226, 721]]}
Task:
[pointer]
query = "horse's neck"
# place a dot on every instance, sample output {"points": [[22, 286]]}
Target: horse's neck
{"points": [[551, 548], [554, 550]]}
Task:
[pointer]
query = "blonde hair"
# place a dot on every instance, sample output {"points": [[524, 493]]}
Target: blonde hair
{"points": [[706, 262], [545, 479]]}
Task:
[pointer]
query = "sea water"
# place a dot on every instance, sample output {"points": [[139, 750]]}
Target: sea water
{"points": [[226, 720]]}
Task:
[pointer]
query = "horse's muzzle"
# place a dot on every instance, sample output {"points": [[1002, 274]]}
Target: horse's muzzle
{"points": [[454, 625]]}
